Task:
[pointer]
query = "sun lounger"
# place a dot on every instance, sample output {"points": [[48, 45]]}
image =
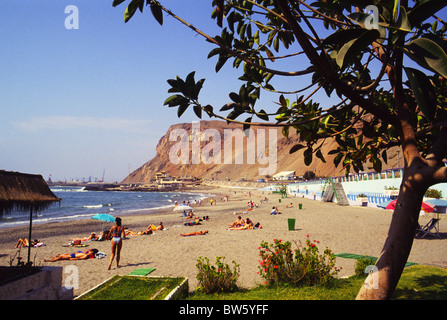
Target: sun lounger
{"points": [[431, 228]]}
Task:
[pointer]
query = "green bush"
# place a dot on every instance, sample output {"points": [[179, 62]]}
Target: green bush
{"points": [[302, 266], [361, 264], [219, 278], [433, 193]]}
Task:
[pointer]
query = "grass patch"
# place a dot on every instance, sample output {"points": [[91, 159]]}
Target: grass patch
{"points": [[133, 288], [422, 283], [417, 283]]}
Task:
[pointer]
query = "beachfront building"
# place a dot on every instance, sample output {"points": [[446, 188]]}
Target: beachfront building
{"points": [[162, 176], [284, 175], [376, 187]]}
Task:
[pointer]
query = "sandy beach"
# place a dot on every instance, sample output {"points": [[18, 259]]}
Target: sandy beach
{"points": [[358, 230]]}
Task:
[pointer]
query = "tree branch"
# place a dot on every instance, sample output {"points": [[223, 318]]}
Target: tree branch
{"points": [[325, 69], [439, 149], [234, 53]]}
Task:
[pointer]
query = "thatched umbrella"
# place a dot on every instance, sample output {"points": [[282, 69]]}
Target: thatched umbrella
{"points": [[22, 191]]}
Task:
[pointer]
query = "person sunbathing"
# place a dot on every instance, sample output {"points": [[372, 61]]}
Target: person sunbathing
{"points": [[192, 223], [190, 216], [149, 230], [247, 225], [238, 223], [159, 227], [91, 237], [195, 233], [25, 243], [88, 254]]}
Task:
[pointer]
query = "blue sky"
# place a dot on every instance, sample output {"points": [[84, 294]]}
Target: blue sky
{"points": [[80, 101], [77, 102]]}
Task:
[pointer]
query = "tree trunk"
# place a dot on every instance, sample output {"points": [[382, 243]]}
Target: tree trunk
{"points": [[382, 281]]}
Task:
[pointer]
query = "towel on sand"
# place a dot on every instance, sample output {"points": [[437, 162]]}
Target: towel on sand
{"points": [[141, 272]]}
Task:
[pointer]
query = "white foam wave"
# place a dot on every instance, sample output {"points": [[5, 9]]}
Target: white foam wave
{"points": [[93, 206]]}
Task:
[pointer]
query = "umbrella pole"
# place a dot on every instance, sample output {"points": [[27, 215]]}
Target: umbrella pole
{"points": [[29, 235]]}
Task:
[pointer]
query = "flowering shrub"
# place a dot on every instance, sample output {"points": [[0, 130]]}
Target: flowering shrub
{"points": [[219, 278], [302, 266]]}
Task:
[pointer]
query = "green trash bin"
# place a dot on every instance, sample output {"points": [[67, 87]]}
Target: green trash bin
{"points": [[291, 224], [300, 206], [279, 200]]}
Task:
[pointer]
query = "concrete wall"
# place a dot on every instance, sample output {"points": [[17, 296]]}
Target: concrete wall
{"points": [[43, 285]]}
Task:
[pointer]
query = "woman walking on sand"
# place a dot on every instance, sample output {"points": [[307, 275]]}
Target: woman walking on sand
{"points": [[117, 233]]}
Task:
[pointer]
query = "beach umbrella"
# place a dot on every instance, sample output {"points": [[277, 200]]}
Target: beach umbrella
{"points": [[383, 205], [437, 202], [440, 204], [104, 217], [183, 208], [426, 207]]}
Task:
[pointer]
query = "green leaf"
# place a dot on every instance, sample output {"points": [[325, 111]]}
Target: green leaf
{"points": [[276, 44], [181, 109], [228, 106], [296, 147], [324, 121], [220, 63], [337, 159], [175, 100], [256, 37], [425, 10], [209, 110], [235, 97], [377, 164], [263, 115], [402, 22], [157, 12], [343, 36], [308, 156], [352, 48], [359, 18], [198, 111], [246, 127], [427, 54], [191, 85], [385, 156], [396, 8], [423, 92], [320, 156], [117, 2], [131, 9]]}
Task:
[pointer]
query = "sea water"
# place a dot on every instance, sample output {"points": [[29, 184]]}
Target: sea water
{"points": [[78, 203]]}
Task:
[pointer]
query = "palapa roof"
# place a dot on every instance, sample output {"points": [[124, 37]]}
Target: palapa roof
{"points": [[24, 191]]}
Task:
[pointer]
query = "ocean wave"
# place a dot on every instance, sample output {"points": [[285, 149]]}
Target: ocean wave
{"points": [[20, 222], [93, 206], [68, 189]]}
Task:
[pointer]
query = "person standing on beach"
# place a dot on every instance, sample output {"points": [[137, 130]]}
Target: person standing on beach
{"points": [[117, 233]]}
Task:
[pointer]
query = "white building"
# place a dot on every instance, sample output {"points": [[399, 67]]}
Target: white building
{"points": [[284, 175]]}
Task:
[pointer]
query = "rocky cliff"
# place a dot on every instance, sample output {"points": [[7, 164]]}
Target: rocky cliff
{"points": [[215, 149]]}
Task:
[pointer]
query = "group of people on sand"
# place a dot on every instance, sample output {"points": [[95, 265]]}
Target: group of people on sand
{"points": [[149, 230], [116, 234], [241, 224]]}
